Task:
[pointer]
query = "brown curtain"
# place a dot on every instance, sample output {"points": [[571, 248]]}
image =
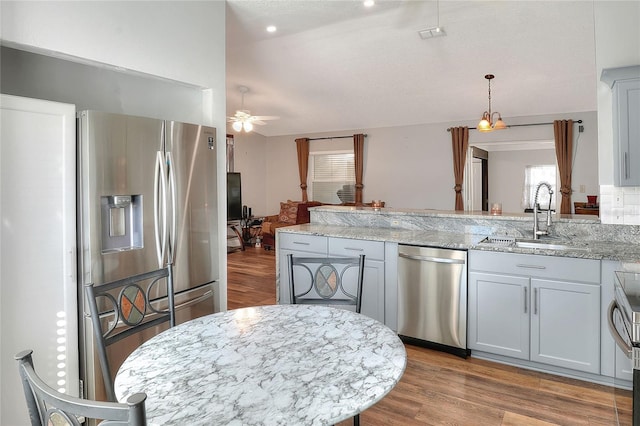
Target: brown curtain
{"points": [[459, 143], [358, 151], [563, 131], [302, 145]]}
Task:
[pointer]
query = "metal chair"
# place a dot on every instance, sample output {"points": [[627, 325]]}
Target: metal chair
{"points": [[132, 311], [48, 407], [325, 280], [325, 283]]}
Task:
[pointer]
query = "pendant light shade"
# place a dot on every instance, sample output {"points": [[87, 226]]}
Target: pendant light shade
{"points": [[486, 123], [499, 125]]}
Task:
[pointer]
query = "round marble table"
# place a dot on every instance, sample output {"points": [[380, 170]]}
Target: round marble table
{"points": [[266, 365]]}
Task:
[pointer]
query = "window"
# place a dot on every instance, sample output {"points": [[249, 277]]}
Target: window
{"points": [[533, 176], [333, 177]]}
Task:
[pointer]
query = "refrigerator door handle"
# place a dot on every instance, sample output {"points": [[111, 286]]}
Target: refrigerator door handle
{"points": [[160, 207], [174, 219]]}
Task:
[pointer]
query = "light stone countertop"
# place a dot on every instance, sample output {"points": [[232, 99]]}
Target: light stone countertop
{"points": [[265, 365], [468, 241]]}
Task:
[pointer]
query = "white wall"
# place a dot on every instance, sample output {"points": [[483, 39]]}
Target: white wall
{"points": [[617, 34], [251, 161], [149, 37], [412, 167]]}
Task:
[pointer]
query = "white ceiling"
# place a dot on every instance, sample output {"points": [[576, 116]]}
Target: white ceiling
{"points": [[334, 65]]}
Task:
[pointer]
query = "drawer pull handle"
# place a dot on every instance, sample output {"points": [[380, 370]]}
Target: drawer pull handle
{"points": [[354, 248], [301, 243], [522, 265]]}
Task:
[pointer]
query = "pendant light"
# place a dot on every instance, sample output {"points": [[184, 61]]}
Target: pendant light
{"points": [[486, 124]]}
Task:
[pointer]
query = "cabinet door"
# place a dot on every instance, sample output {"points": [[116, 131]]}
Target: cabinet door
{"points": [[565, 324], [624, 366], [626, 110], [499, 314], [373, 290]]}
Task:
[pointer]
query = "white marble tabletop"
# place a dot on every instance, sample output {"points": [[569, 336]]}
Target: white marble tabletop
{"points": [[266, 365]]}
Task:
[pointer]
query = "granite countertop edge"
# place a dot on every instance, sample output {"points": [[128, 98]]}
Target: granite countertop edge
{"points": [[601, 250], [452, 214]]}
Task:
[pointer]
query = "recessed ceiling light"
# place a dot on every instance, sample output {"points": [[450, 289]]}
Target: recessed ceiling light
{"points": [[369, 3], [272, 29]]}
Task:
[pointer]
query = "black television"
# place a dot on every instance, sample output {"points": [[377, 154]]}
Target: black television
{"points": [[234, 196]]}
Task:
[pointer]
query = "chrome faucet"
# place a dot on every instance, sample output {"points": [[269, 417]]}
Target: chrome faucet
{"points": [[537, 232]]}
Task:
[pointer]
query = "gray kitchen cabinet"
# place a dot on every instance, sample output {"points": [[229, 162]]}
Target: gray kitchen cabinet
{"points": [[536, 308], [565, 324], [373, 302], [498, 314], [625, 84]]}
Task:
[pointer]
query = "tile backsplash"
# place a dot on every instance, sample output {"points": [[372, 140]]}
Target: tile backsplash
{"points": [[620, 205]]}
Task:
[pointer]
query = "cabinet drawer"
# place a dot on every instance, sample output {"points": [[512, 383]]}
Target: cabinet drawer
{"points": [[349, 247], [303, 242], [560, 268]]}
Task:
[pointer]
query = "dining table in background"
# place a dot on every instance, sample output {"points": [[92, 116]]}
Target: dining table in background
{"points": [[265, 365]]}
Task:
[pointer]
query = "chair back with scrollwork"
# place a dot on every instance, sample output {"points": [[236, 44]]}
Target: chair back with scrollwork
{"points": [[49, 407], [127, 306], [326, 280]]}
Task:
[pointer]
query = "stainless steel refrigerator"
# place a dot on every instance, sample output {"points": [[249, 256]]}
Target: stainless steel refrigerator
{"points": [[146, 197]]}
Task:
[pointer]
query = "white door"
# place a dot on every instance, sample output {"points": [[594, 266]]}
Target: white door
{"points": [[38, 296]]}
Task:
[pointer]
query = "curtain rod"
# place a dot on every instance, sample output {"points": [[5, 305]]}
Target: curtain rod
{"points": [[520, 125], [333, 137]]}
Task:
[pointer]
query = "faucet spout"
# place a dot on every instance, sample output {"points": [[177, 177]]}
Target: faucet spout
{"points": [[537, 232]]}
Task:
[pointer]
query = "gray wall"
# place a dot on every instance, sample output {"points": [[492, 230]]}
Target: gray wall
{"points": [[39, 76]]}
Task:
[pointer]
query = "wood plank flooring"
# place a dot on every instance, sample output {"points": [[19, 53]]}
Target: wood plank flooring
{"points": [[438, 388]]}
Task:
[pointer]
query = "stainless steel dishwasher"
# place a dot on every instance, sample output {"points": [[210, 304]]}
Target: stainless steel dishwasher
{"points": [[432, 298]]}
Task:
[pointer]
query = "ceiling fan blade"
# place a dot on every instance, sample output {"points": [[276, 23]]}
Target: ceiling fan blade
{"points": [[264, 117], [260, 122]]}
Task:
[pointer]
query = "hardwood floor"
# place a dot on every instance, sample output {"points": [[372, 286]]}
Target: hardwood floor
{"points": [[438, 388]]}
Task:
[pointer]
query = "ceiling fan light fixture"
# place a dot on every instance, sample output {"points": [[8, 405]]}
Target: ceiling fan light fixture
{"points": [[486, 124], [237, 126], [248, 126]]}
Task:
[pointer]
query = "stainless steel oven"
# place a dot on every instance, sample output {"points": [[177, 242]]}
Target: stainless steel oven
{"points": [[624, 325]]}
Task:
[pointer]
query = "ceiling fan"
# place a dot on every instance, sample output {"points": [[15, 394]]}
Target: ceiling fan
{"points": [[243, 118]]}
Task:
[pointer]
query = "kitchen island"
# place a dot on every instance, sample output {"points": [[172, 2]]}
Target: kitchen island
{"points": [[337, 230]]}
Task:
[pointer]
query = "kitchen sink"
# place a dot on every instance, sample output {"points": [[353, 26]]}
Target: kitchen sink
{"points": [[528, 243]]}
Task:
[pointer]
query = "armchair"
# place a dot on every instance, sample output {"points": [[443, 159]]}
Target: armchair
{"points": [[291, 213]]}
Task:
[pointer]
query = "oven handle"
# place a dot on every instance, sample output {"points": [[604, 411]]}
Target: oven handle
{"points": [[614, 332]]}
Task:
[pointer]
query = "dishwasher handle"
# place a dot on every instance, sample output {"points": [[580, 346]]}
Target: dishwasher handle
{"points": [[432, 259]]}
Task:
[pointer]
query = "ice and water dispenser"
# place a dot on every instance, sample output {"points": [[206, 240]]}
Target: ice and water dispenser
{"points": [[121, 222]]}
